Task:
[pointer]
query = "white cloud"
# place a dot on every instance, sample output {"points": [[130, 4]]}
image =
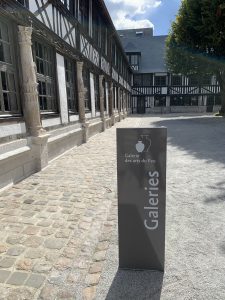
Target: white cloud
{"points": [[128, 14], [124, 22]]}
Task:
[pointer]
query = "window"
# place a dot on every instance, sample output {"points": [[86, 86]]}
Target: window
{"points": [[147, 79], [95, 33], [86, 80], [143, 79], [160, 80], [193, 80], [134, 60], [8, 85], [103, 37], [70, 5], [96, 88], [84, 13], [206, 80], [176, 80], [160, 101], [177, 101], [70, 86], [25, 3], [43, 57]]}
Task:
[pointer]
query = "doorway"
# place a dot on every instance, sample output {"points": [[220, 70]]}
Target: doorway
{"points": [[141, 105]]}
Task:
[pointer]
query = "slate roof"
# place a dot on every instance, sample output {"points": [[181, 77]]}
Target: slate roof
{"points": [[152, 48]]}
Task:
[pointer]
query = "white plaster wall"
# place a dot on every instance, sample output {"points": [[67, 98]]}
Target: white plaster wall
{"points": [[51, 122], [92, 88], [7, 130], [88, 115], [164, 90], [62, 89], [74, 118]]}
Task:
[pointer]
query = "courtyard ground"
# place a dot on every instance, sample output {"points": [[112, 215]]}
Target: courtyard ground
{"points": [[58, 228]]}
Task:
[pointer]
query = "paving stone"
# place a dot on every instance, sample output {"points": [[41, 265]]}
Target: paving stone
{"points": [[103, 245], [93, 279], [28, 201], [35, 280], [52, 255], [42, 266], [3, 276], [34, 253], [72, 278], [24, 264], [17, 278], [15, 251], [96, 267], [45, 223], [20, 293], [63, 233], [65, 294], [54, 243], [7, 262], [31, 230], [99, 255], [89, 293], [15, 239], [47, 231], [63, 264], [3, 248], [69, 252], [48, 292], [33, 241]]}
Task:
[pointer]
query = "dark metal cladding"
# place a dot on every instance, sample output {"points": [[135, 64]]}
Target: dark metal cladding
{"points": [[141, 167]]}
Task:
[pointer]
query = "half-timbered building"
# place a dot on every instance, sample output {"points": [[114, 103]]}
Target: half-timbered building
{"points": [[63, 77], [154, 89]]}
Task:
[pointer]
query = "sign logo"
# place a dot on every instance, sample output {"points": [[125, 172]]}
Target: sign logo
{"points": [[143, 144]]}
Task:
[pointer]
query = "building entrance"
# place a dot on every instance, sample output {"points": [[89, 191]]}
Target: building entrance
{"points": [[141, 105]]}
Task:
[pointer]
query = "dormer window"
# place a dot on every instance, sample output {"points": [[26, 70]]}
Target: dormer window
{"points": [[134, 60], [139, 33]]}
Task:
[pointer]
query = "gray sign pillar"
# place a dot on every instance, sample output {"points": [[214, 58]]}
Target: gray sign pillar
{"points": [[141, 168]]}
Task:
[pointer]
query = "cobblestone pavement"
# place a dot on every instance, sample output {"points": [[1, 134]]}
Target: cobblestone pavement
{"points": [[58, 237]]}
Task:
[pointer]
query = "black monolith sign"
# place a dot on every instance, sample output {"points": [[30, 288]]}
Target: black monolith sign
{"points": [[141, 168]]}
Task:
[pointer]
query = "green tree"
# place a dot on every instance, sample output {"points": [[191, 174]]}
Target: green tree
{"points": [[196, 42]]}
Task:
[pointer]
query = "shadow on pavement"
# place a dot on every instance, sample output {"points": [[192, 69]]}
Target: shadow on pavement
{"points": [[133, 285], [202, 137], [218, 188]]}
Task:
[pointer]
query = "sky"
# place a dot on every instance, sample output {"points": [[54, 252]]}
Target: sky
{"points": [[128, 14]]}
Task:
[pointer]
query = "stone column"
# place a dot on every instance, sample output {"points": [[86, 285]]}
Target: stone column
{"points": [[167, 101], [111, 99], [119, 104], [38, 138], [29, 83], [81, 105], [125, 104], [101, 96]]}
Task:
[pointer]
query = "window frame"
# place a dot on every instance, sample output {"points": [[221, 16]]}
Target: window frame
{"points": [[176, 80], [96, 92], [50, 80], [160, 83], [10, 69], [71, 85], [87, 96]]}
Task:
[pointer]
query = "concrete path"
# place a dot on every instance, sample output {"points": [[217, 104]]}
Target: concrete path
{"points": [[58, 228]]}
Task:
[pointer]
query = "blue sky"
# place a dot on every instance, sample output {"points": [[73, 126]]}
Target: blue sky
{"points": [[127, 14]]}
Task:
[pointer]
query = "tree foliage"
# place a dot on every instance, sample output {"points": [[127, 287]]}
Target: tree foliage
{"points": [[196, 42]]}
